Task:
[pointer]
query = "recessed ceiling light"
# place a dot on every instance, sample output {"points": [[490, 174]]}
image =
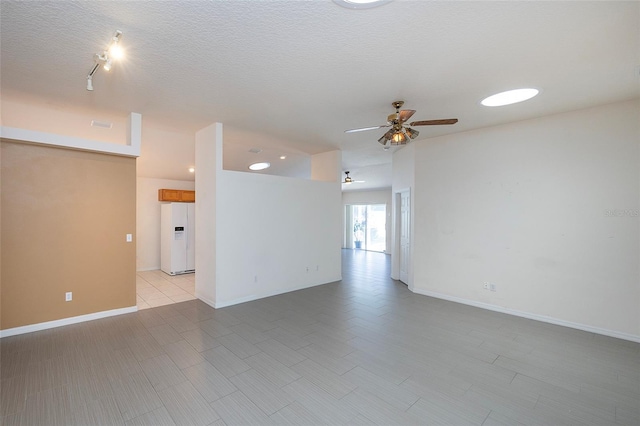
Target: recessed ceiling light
{"points": [[283, 157], [259, 166], [509, 97], [360, 4], [192, 169]]}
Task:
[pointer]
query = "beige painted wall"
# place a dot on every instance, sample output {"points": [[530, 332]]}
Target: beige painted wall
{"points": [[64, 218]]}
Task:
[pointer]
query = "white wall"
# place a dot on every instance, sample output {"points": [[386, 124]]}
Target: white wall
{"points": [[350, 198], [41, 115], [525, 206], [148, 219], [260, 235], [208, 155], [403, 166], [270, 229]]}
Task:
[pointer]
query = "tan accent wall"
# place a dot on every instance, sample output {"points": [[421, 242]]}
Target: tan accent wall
{"points": [[64, 218]]}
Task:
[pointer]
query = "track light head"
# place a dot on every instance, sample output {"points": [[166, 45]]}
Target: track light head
{"points": [[105, 58], [115, 49]]}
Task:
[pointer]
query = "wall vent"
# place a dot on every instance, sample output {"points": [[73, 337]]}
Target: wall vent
{"points": [[96, 123]]}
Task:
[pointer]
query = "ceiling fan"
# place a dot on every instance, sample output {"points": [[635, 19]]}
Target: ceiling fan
{"points": [[400, 133], [349, 180]]}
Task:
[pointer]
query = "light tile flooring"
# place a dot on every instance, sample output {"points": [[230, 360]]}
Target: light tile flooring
{"points": [[155, 288], [364, 350]]}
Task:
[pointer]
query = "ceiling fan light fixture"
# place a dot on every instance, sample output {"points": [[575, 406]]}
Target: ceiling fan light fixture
{"points": [[412, 133], [509, 97], [400, 133], [399, 138], [347, 179]]}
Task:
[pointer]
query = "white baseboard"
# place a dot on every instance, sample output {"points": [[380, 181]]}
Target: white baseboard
{"points": [[528, 315], [253, 297], [65, 321], [148, 269], [205, 300]]}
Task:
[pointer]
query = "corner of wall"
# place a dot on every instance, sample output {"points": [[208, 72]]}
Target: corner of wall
{"points": [[208, 153]]}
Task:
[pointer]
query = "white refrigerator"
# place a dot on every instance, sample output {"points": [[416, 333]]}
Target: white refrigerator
{"points": [[177, 238]]}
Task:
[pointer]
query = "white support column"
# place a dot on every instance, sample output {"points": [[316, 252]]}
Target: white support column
{"points": [[134, 132], [208, 164]]}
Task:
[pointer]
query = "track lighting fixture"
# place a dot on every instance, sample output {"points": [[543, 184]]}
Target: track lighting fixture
{"points": [[105, 58], [115, 50]]}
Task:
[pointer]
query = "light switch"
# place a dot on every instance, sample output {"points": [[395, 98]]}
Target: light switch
{"points": [[129, 238]]}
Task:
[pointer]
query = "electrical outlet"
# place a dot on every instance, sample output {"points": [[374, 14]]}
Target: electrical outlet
{"points": [[493, 287], [129, 238], [486, 285], [68, 296]]}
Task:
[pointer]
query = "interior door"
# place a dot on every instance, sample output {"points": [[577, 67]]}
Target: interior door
{"points": [[405, 235]]}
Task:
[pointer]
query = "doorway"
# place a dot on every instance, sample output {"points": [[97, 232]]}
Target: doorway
{"points": [[367, 226], [404, 225]]}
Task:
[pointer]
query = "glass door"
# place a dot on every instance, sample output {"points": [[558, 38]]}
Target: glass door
{"points": [[369, 227]]}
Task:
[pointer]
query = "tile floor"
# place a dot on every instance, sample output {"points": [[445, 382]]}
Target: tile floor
{"points": [[155, 288], [364, 350]]}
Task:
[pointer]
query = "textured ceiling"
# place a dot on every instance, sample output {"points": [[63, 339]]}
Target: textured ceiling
{"points": [[298, 73]]}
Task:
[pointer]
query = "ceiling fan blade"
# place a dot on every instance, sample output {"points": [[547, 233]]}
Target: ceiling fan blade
{"points": [[406, 114], [383, 140], [434, 122], [362, 129]]}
